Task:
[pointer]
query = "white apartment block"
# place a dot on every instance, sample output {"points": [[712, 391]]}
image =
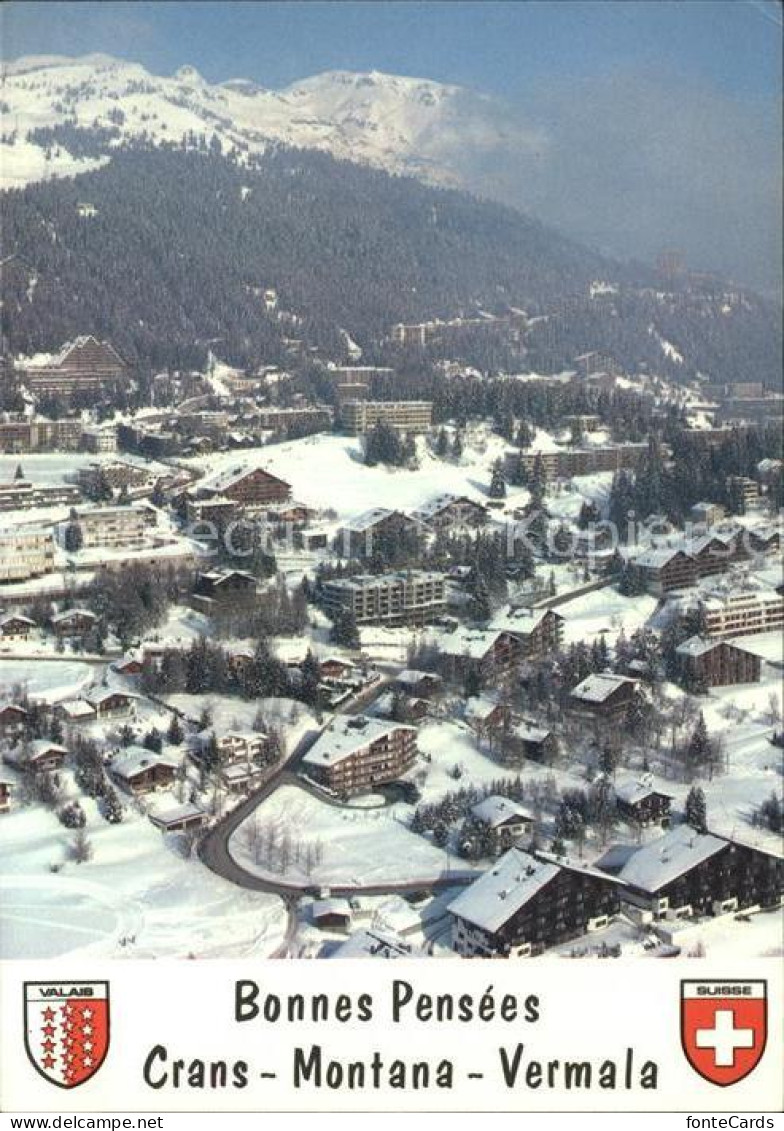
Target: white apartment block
{"points": [[360, 417], [743, 613], [116, 528], [25, 553], [405, 597]]}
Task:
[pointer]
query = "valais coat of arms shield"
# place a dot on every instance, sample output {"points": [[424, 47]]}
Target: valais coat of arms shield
{"points": [[724, 1027], [66, 1029]]}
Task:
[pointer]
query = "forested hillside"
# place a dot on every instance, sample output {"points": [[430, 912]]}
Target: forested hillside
{"points": [[167, 252]]}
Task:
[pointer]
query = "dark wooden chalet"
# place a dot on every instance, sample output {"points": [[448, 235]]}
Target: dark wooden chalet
{"points": [[12, 719], [38, 757], [641, 805], [74, 623], [16, 627], [139, 770], [603, 696], [502, 822], [424, 685]]}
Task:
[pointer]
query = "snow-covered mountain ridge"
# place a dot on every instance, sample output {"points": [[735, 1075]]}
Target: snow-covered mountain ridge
{"points": [[404, 125]]}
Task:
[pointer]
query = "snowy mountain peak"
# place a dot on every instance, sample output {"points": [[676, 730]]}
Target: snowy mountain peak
{"points": [[402, 124]]}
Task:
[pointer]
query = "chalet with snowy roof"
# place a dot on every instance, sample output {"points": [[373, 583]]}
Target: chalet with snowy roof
{"points": [[641, 805], [528, 902], [251, 488], [180, 818], [486, 716], [83, 365], [139, 770], [528, 739], [5, 794], [40, 756], [362, 536], [603, 696], [489, 653], [686, 872], [538, 631], [332, 914], [717, 663], [502, 821], [16, 627], [109, 703], [12, 719], [222, 587], [445, 512], [422, 685], [74, 624], [334, 667], [75, 712], [356, 754], [665, 568]]}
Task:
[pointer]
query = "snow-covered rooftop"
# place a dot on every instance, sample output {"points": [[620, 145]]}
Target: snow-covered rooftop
{"points": [[136, 759], [495, 897], [496, 810], [344, 736], [663, 860], [599, 686]]}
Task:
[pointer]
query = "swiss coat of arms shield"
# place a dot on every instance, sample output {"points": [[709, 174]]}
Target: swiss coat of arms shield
{"points": [[724, 1027], [66, 1029]]}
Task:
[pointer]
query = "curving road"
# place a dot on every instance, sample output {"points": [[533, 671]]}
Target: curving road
{"points": [[214, 851]]}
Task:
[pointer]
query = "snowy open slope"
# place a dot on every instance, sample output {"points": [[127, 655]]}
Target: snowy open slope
{"points": [[327, 471], [138, 897], [406, 125]]}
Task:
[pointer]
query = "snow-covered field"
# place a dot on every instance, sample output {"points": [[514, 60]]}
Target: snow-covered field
{"points": [[137, 897], [60, 467], [604, 611], [346, 485], [357, 846], [50, 680]]}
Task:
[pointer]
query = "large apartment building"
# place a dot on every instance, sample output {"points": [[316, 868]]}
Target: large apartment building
{"points": [[406, 597], [567, 462], [25, 553], [360, 416], [354, 755], [115, 528], [20, 434], [84, 365], [19, 494], [742, 613]]}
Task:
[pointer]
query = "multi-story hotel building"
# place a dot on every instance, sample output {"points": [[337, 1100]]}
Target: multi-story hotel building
{"points": [[112, 527], [353, 755], [407, 597], [360, 417], [742, 613], [21, 495], [84, 365], [567, 462], [25, 553], [19, 434]]}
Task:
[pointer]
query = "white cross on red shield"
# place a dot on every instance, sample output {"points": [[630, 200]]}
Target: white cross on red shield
{"points": [[66, 1029], [724, 1027]]}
